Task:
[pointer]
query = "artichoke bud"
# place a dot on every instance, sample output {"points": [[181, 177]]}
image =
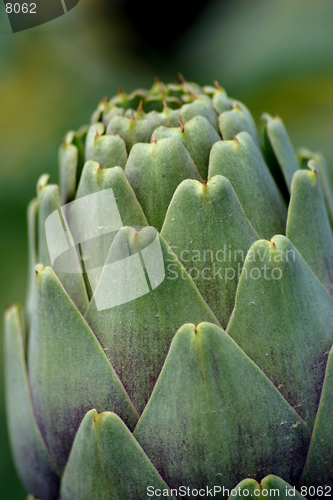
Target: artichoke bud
{"points": [[179, 320]]}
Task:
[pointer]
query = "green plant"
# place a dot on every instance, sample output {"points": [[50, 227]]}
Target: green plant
{"points": [[104, 402]]}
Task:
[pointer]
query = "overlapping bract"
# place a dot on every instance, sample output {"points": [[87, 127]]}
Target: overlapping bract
{"points": [[222, 374]]}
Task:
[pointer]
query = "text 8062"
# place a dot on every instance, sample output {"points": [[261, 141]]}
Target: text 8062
{"points": [[16, 8]]}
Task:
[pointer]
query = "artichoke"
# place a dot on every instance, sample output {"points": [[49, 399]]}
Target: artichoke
{"points": [[176, 340]]}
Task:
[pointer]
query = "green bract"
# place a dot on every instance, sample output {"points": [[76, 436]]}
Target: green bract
{"points": [[209, 366]]}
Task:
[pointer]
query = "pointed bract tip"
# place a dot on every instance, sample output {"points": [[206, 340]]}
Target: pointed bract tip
{"points": [[154, 140], [181, 126], [105, 100], [140, 107], [181, 78], [272, 243], [236, 138], [39, 268], [9, 308], [157, 79], [165, 106], [313, 166], [132, 117], [121, 90], [216, 85], [193, 94], [42, 181]]}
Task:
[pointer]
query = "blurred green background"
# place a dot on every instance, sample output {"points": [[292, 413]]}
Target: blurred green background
{"points": [[275, 56]]}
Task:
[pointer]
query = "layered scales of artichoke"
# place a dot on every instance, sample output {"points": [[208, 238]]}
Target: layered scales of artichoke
{"points": [[245, 232]]}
